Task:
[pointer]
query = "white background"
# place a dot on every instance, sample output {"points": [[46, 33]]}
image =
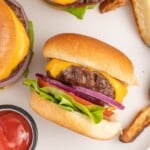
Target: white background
{"points": [[116, 28]]}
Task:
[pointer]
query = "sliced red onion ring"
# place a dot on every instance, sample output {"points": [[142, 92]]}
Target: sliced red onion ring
{"points": [[92, 96], [17, 73], [99, 95]]}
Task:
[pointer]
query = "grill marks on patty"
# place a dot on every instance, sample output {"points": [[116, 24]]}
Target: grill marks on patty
{"points": [[82, 76]]}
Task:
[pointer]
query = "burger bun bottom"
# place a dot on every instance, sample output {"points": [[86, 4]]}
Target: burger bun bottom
{"points": [[74, 121]]}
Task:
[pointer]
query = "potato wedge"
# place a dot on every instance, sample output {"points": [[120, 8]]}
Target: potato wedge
{"points": [[141, 120], [108, 5]]}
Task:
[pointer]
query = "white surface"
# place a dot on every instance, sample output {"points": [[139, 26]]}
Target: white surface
{"points": [[116, 28]]}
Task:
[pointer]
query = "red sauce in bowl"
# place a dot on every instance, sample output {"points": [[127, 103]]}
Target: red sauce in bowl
{"points": [[15, 131]]}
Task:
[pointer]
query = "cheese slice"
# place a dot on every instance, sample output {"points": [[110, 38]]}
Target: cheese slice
{"points": [[120, 88], [64, 2], [14, 48], [55, 66]]}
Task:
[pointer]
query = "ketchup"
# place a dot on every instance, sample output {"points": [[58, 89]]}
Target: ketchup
{"points": [[15, 131]]}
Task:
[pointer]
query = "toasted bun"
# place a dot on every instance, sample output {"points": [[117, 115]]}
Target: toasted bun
{"points": [[141, 11], [74, 121], [90, 52]]}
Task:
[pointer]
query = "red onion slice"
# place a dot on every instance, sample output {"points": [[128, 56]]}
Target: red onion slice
{"points": [[100, 96], [92, 96]]}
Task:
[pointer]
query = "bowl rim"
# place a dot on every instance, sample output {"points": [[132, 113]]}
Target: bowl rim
{"points": [[28, 118]]}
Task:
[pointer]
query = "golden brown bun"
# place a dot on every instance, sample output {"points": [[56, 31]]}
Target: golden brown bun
{"points": [[7, 36], [141, 10], [74, 121], [90, 52]]}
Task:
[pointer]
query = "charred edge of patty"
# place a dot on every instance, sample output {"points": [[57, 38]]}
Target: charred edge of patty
{"points": [[82, 76], [78, 3], [18, 11]]}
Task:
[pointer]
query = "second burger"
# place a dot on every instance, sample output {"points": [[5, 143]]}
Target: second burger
{"points": [[86, 81]]}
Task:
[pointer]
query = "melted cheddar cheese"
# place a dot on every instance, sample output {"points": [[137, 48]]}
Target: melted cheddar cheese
{"points": [[20, 49], [55, 66], [120, 88], [64, 2]]}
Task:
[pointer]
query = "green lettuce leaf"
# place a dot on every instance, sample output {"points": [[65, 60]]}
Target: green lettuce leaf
{"points": [[76, 11], [65, 101], [31, 39], [80, 11]]}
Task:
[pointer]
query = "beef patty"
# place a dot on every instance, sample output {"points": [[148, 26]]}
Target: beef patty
{"points": [[84, 77]]}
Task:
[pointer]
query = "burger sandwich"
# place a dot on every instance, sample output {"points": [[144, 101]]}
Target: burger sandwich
{"points": [[85, 82], [75, 7], [16, 40]]}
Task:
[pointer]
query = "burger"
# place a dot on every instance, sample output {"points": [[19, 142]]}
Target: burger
{"points": [[16, 41], [75, 7], [85, 82]]}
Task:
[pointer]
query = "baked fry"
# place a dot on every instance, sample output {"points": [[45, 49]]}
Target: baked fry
{"points": [[108, 5], [141, 9], [141, 120]]}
